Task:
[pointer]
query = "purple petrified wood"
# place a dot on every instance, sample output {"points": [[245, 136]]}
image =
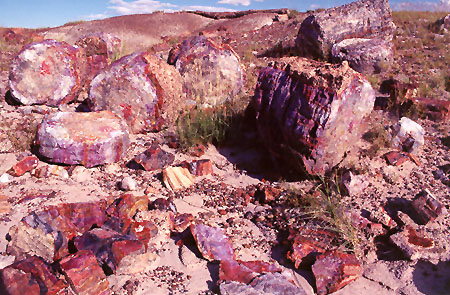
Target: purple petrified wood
{"points": [[89, 139], [310, 113]]}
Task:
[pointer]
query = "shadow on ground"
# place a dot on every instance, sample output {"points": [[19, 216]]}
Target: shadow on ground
{"points": [[432, 279]]}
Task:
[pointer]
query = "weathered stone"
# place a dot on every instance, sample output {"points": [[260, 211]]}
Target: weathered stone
{"points": [[407, 135], [197, 150], [364, 55], [5, 206], [333, 270], [163, 220], [212, 73], [411, 243], [212, 242], [244, 271], [396, 158], [354, 183], [310, 113], [177, 177], [164, 205], [84, 274], [46, 171], [426, 207], [360, 19], [276, 284], [381, 216], [200, 167], [45, 73], [154, 158], [266, 194], [132, 256], [17, 282], [89, 139], [23, 166], [142, 89], [305, 250], [47, 233], [182, 222], [235, 288], [42, 273], [128, 183], [112, 44], [122, 212]]}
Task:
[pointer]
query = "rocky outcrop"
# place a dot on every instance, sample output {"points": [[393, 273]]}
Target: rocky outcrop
{"points": [[211, 73], [364, 55], [142, 89], [361, 19], [89, 139], [310, 113], [46, 72]]}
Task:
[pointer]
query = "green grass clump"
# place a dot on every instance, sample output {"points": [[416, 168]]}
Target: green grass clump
{"points": [[214, 125]]}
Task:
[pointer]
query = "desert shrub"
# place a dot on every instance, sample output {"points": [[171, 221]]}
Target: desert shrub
{"points": [[201, 125]]}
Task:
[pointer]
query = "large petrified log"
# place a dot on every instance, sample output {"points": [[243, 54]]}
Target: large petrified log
{"points": [[45, 73], [364, 55], [310, 113], [89, 139], [360, 19], [212, 73], [142, 89]]}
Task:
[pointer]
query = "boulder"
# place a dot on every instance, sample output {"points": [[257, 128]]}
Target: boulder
{"points": [[45, 72], [211, 73], [142, 89], [212, 242], [154, 158], [333, 270], [84, 274], [366, 56], [89, 139], [361, 19], [408, 136], [310, 113]]}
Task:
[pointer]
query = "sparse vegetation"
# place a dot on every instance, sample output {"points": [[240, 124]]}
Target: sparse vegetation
{"points": [[209, 125]]}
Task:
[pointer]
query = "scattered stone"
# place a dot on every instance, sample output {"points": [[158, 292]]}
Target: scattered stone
{"points": [[182, 222], [267, 194], [6, 178], [408, 136], [426, 207], [212, 242], [333, 270], [142, 89], [46, 171], [5, 206], [197, 150], [164, 222], [122, 212], [396, 158], [355, 184], [212, 73], [201, 167], [381, 216], [411, 243], [309, 112], [128, 183], [364, 55], [244, 271], [361, 19], [305, 250], [164, 205], [45, 73], [154, 158], [89, 139], [23, 166], [84, 274], [175, 178]]}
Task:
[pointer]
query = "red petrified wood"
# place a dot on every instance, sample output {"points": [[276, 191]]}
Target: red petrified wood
{"points": [[23, 166]]}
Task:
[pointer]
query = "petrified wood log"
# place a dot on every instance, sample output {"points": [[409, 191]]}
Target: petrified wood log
{"points": [[142, 89], [89, 139], [360, 19], [212, 73], [364, 55], [45, 73], [310, 113]]}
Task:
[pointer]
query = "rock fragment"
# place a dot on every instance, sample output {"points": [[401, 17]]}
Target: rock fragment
{"points": [[408, 136], [244, 271], [212, 73], [45, 73], [396, 158], [333, 270], [23, 166], [17, 282], [5, 206], [359, 19], [142, 89], [89, 139], [177, 177], [212, 242], [364, 55], [411, 243], [84, 274], [154, 158], [200, 167], [426, 207], [128, 184], [310, 113]]}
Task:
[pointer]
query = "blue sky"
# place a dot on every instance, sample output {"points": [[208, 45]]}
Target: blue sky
{"points": [[50, 13]]}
